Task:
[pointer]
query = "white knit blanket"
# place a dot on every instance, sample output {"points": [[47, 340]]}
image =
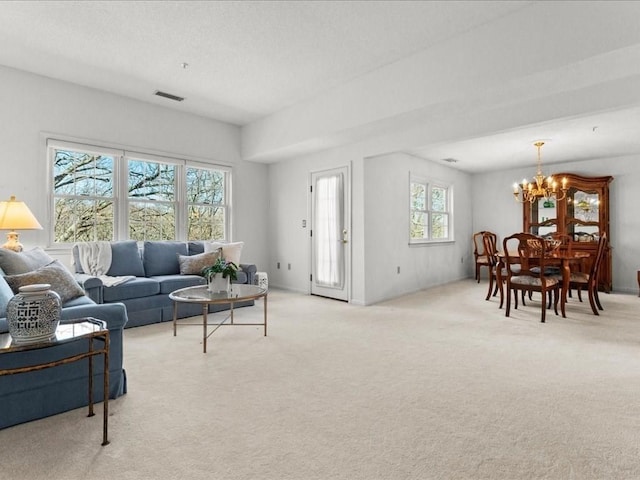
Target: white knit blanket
{"points": [[95, 259]]}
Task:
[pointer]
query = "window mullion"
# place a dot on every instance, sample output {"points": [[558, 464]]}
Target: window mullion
{"points": [[227, 206], [430, 210], [181, 201], [121, 198]]}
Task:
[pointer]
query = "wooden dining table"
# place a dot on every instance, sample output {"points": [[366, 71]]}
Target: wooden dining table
{"points": [[562, 258]]}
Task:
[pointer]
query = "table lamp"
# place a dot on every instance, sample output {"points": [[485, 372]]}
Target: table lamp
{"points": [[15, 215]]}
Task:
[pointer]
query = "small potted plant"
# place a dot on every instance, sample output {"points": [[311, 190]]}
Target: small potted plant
{"points": [[219, 275]]}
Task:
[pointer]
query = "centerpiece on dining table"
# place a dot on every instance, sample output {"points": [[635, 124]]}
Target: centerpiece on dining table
{"points": [[219, 275], [551, 245]]}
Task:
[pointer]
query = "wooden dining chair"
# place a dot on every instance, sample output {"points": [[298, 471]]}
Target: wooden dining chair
{"points": [[589, 281], [496, 282], [528, 251], [491, 254], [479, 251]]}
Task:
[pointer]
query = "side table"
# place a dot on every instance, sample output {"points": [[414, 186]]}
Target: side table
{"points": [[262, 280], [71, 330]]}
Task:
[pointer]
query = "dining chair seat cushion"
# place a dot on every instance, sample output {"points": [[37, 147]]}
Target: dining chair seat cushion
{"points": [[548, 270], [514, 269], [533, 281], [483, 261], [579, 277]]}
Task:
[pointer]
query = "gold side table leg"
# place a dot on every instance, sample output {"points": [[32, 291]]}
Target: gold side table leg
{"points": [[265, 315], [175, 317], [205, 308], [91, 413], [105, 413]]}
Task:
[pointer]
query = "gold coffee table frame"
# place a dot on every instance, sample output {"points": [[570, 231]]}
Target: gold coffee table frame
{"points": [[70, 331], [200, 294]]}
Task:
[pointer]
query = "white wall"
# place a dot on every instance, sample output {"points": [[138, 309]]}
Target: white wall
{"points": [[386, 206], [380, 215], [494, 208], [289, 204], [270, 201], [379, 224], [34, 106]]}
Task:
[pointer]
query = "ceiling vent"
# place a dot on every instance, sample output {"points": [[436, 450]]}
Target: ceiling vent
{"points": [[169, 96], [450, 160]]}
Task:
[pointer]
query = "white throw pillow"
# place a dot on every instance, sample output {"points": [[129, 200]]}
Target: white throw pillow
{"points": [[230, 251]]}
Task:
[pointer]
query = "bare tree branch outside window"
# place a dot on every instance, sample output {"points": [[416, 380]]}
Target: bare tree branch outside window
{"points": [[206, 204], [429, 212], [83, 197], [85, 206]]}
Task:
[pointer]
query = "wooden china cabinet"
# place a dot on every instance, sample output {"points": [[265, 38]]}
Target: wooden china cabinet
{"points": [[583, 214]]}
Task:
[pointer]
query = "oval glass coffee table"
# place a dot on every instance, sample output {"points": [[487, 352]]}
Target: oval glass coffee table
{"points": [[199, 294]]}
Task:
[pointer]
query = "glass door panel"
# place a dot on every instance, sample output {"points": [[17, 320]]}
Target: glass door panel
{"points": [[544, 217], [583, 215]]}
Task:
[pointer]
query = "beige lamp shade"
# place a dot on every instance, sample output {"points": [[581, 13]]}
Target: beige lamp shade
{"points": [[15, 215]]}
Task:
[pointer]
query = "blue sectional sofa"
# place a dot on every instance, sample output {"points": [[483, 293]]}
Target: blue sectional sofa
{"points": [[142, 300], [30, 396], [156, 268]]}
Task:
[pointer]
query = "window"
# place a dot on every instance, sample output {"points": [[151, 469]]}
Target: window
{"points": [[100, 194], [83, 196], [206, 203], [430, 215], [152, 204]]}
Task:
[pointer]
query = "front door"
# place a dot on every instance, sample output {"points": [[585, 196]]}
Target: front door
{"points": [[330, 253]]}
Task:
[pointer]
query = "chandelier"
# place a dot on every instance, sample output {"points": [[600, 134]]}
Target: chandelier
{"points": [[530, 192]]}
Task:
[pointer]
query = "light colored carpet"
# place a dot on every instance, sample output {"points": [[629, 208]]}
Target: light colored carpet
{"points": [[434, 385]]}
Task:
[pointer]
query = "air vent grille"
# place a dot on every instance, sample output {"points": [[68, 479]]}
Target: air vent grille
{"points": [[169, 96], [450, 160]]}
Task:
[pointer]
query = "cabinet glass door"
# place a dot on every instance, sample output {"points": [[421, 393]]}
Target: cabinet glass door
{"points": [[583, 215], [544, 217]]}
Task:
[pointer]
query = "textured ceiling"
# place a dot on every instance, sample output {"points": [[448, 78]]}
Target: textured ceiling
{"points": [[245, 59], [250, 61]]}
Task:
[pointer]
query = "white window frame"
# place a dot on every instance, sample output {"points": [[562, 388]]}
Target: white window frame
{"points": [[226, 201], [429, 185], [124, 180], [120, 187]]}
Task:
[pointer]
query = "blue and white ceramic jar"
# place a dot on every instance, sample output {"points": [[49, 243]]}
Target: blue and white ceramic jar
{"points": [[33, 314]]}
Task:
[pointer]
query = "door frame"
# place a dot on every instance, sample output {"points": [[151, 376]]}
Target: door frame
{"points": [[346, 168]]}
